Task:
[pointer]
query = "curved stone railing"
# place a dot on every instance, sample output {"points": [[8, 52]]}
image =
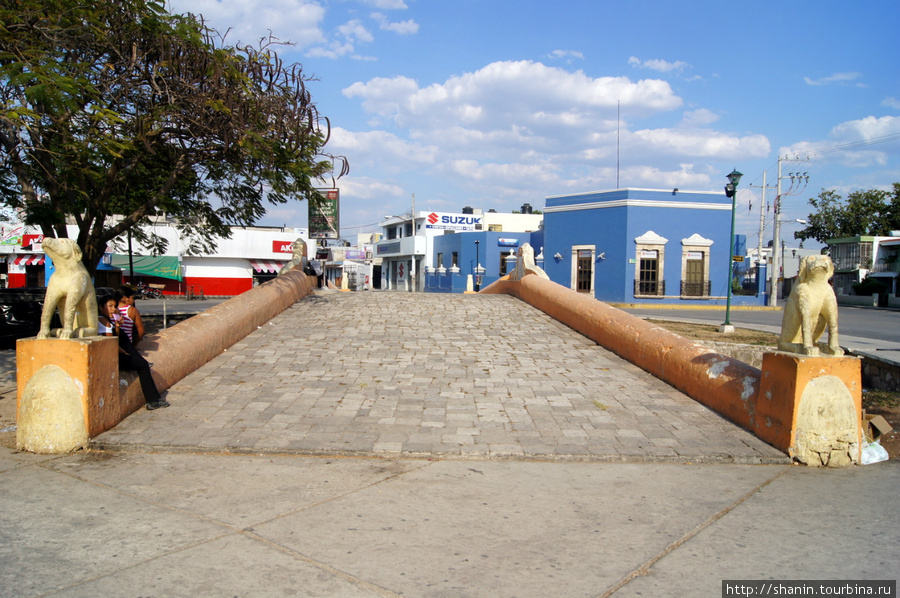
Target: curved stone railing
{"points": [[715, 380], [71, 390], [767, 402], [176, 352]]}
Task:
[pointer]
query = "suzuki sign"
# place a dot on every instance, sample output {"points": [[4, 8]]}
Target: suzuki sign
{"points": [[444, 221]]}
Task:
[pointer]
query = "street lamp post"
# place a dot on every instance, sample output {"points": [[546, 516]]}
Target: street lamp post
{"points": [[730, 191]]}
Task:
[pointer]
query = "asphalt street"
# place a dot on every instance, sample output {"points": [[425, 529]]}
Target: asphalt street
{"points": [[877, 326]]}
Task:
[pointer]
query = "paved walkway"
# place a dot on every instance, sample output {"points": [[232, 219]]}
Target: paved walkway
{"points": [[527, 522], [450, 376]]}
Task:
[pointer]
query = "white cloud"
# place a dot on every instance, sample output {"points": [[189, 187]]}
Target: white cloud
{"points": [[661, 66], [355, 31], [861, 143], [408, 27], [518, 128], [333, 50], [387, 4], [702, 144], [891, 103], [568, 55], [867, 128], [699, 118], [654, 177], [835, 78], [508, 174], [350, 33], [513, 132], [297, 21], [380, 147], [504, 94], [368, 188]]}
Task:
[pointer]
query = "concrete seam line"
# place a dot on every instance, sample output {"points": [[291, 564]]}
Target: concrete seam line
{"points": [[141, 563], [343, 494], [386, 593], [644, 569]]}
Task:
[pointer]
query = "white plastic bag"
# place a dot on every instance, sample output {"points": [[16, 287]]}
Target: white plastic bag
{"points": [[873, 452]]}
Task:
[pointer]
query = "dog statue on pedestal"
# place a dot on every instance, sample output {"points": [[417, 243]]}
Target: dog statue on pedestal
{"points": [[70, 288], [811, 307]]}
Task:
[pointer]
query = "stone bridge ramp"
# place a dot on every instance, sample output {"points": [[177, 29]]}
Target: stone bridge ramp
{"points": [[431, 375]]}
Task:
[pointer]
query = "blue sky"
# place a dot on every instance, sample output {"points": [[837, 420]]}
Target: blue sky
{"points": [[495, 103]]}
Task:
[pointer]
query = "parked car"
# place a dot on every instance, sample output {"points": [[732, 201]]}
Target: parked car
{"points": [[20, 313]]}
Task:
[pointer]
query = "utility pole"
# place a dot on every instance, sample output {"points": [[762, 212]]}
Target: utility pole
{"points": [[776, 241], [412, 270], [762, 225]]}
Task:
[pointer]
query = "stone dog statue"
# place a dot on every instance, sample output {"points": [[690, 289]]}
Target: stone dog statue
{"points": [[811, 307], [70, 288], [525, 264], [298, 259]]}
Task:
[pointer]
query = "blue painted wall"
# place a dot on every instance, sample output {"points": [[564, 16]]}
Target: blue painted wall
{"points": [[611, 222], [489, 251]]}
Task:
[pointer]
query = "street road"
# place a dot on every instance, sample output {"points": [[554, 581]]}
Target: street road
{"points": [[859, 322], [882, 325]]}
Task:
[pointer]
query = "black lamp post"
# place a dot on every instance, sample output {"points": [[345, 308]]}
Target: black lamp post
{"points": [[731, 191], [477, 263]]}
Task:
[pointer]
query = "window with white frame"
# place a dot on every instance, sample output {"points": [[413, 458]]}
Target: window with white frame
{"points": [[649, 265], [582, 279], [695, 266]]}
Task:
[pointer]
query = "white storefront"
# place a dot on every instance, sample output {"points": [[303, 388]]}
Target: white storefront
{"points": [[406, 253]]}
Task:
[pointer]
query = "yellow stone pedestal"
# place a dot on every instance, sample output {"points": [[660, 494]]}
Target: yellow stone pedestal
{"points": [[811, 407], [68, 392]]}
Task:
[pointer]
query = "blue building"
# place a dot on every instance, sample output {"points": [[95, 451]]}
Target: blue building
{"points": [[641, 245], [458, 255]]}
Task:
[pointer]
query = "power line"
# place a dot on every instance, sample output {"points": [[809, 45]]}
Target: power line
{"points": [[361, 225], [852, 145]]}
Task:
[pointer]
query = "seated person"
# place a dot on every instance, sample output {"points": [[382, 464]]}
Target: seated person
{"points": [[130, 321], [110, 324]]}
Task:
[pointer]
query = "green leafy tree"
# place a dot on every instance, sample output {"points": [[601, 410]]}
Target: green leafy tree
{"points": [[872, 212], [113, 112]]}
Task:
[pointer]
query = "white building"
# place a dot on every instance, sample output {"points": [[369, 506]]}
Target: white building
{"points": [[252, 255], [406, 251]]}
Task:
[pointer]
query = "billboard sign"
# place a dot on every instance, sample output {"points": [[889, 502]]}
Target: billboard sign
{"points": [[324, 218], [461, 222]]}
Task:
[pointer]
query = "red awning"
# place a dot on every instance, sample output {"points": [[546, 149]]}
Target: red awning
{"points": [[29, 260], [266, 265]]}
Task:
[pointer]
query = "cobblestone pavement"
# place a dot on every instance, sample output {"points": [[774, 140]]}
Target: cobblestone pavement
{"points": [[449, 376]]}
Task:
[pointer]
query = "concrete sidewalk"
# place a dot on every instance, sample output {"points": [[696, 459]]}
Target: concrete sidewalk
{"points": [[188, 525]]}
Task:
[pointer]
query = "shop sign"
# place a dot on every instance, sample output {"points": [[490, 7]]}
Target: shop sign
{"points": [[507, 242], [29, 240], [385, 248], [324, 215], [447, 221], [11, 236]]}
